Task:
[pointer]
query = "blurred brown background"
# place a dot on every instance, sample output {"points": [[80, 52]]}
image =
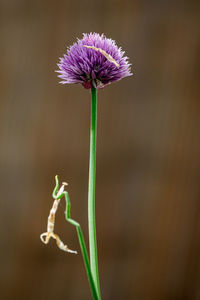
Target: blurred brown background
{"points": [[148, 158]]}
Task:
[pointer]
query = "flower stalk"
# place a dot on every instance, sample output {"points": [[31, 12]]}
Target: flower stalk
{"points": [[91, 192]]}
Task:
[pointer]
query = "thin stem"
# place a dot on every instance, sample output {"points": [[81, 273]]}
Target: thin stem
{"points": [[80, 237], [87, 263], [91, 192]]}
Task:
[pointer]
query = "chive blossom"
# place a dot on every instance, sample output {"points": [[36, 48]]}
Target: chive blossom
{"points": [[93, 61]]}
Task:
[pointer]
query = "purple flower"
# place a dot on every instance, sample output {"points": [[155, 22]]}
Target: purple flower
{"points": [[93, 61]]}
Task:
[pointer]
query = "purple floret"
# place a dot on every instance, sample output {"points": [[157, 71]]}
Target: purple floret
{"points": [[97, 66]]}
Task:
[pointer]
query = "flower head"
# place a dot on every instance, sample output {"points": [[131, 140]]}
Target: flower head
{"points": [[93, 61]]}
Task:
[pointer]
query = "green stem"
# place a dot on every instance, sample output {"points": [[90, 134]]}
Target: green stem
{"points": [[83, 248], [87, 263], [91, 192]]}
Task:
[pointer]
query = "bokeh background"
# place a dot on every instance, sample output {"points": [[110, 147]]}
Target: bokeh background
{"points": [[148, 152]]}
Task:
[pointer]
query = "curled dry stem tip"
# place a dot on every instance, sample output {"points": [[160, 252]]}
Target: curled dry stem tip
{"points": [[45, 237]]}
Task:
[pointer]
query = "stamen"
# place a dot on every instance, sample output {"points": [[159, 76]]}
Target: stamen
{"points": [[108, 56]]}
